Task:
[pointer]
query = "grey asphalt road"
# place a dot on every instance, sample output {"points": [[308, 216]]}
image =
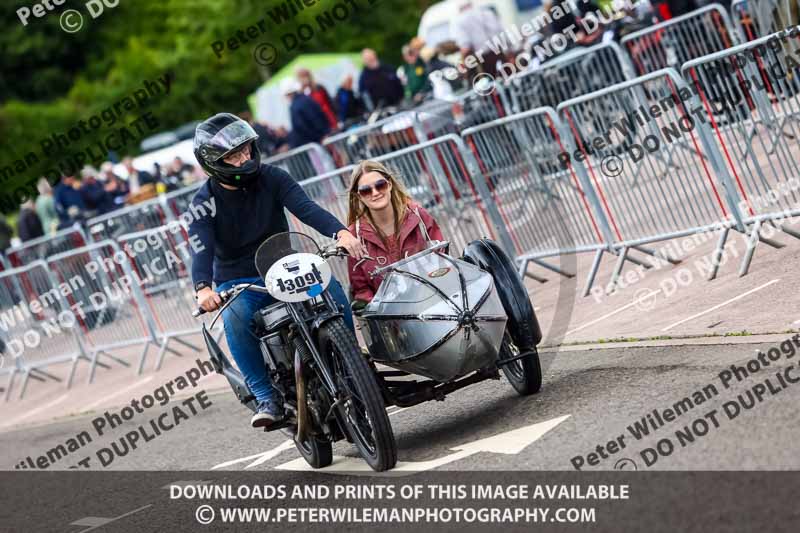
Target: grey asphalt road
{"points": [[603, 392]]}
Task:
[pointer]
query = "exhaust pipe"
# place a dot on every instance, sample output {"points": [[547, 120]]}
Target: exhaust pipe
{"points": [[302, 407]]}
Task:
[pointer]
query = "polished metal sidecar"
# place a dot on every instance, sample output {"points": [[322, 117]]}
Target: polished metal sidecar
{"points": [[435, 316]]}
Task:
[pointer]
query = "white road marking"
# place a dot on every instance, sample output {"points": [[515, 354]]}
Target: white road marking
{"points": [[615, 312], [508, 443], [118, 393], [258, 458], [735, 298], [399, 411], [38, 410]]}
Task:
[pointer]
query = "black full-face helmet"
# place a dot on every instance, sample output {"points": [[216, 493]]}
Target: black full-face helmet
{"points": [[220, 136]]}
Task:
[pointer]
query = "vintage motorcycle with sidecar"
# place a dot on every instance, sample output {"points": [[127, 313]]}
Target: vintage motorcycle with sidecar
{"points": [[437, 324]]}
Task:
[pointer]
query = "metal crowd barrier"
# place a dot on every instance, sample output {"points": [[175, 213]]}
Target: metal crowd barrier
{"points": [[372, 140], [47, 245], [177, 202], [572, 74], [37, 327], [114, 312], [468, 109], [161, 259], [549, 209], [680, 39], [648, 191], [137, 217], [751, 99], [757, 18], [304, 162]]}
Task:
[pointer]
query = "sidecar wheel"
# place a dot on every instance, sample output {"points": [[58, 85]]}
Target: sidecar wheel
{"points": [[523, 326], [364, 413], [525, 374], [317, 453]]}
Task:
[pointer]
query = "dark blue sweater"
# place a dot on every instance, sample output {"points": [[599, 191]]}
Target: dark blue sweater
{"points": [[246, 218]]}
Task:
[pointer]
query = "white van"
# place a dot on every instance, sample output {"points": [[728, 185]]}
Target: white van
{"points": [[435, 25]]}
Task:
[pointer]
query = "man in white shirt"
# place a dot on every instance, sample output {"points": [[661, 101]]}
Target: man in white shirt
{"points": [[472, 29]]}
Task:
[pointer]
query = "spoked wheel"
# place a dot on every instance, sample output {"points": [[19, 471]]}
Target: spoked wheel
{"points": [[364, 411], [524, 374]]}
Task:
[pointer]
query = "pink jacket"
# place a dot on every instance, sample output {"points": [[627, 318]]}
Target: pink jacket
{"points": [[411, 241]]}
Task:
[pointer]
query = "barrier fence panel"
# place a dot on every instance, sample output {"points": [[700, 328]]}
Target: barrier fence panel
{"points": [[751, 99], [37, 327], [572, 74], [649, 190], [548, 209], [758, 18], [137, 217], [680, 39], [471, 108], [177, 202], [304, 162], [108, 294], [40, 248], [372, 140], [161, 258]]}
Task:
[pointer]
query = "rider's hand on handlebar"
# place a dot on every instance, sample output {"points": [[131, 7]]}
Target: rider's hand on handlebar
{"points": [[208, 300], [351, 244]]}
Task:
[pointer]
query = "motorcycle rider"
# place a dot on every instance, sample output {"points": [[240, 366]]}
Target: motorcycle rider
{"points": [[250, 198]]}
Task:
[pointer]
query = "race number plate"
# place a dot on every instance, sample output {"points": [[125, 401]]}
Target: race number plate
{"points": [[298, 277]]}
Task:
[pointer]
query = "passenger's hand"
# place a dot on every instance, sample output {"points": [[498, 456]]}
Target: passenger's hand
{"points": [[351, 244], [208, 300]]}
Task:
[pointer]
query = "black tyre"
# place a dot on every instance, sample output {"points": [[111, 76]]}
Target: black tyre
{"points": [[523, 326], [364, 412], [524, 374], [318, 453]]}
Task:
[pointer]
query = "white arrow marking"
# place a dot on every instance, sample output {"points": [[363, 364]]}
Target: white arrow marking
{"points": [[508, 443], [258, 458]]}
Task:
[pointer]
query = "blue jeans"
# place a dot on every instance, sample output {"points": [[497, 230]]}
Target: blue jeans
{"points": [[243, 342]]}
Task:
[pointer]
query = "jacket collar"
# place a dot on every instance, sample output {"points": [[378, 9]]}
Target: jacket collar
{"points": [[411, 221]]}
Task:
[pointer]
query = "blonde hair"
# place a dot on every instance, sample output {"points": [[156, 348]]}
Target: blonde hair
{"points": [[399, 197]]}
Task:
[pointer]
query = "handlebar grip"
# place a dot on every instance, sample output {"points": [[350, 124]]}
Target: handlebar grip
{"points": [[224, 296]]}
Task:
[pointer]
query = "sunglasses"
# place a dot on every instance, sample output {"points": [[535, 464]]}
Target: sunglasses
{"points": [[380, 186]]}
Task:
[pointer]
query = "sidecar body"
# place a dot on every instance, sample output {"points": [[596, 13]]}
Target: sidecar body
{"points": [[435, 316]]}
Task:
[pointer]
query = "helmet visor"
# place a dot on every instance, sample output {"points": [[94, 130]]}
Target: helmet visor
{"points": [[229, 139]]}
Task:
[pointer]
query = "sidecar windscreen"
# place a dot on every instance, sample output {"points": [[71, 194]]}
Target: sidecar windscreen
{"points": [[279, 246], [415, 293]]}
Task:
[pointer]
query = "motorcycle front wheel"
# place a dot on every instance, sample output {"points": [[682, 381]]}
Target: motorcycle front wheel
{"points": [[363, 411]]}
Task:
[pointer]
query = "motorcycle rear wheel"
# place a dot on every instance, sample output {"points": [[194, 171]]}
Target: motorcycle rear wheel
{"points": [[364, 412]]}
